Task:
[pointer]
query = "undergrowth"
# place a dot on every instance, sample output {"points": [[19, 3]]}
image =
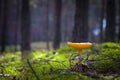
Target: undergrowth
{"points": [[56, 65]]}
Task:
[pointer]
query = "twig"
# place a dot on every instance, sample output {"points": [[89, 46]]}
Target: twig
{"points": [[32, 70]]}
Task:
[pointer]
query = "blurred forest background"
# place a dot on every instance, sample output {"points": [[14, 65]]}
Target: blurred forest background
{"points": [[52, 22]]}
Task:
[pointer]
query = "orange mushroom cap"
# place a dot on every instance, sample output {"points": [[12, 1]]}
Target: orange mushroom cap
{"points": [[80, 46]]}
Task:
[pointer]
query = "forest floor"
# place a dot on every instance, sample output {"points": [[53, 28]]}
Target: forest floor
{"points": [[100, 62]]}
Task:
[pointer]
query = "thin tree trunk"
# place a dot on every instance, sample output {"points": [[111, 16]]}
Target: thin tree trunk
{"points": [[119, 19], [102, 17], [81, 29], [47, 25], [65, 36], [4, 25], [1, 11], [17, 24], [57, 37], [25, 28], [110, 28]]}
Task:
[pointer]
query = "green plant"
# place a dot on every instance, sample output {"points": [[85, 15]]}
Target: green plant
{"points": [[108, 59], [57, 65]]}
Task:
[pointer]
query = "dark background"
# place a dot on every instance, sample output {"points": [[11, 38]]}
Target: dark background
{"points": [[25, 21]]}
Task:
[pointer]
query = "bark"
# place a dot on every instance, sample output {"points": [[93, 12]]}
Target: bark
{"points": [[47, 26], [110, 26], [0, 22], [57, 35], [119, 19], [16, 24], [80, 32], [102, 17], [25, 28], [4, 10]]}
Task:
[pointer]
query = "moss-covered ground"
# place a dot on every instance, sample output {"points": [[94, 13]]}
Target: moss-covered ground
{"points": [[102, 62]]}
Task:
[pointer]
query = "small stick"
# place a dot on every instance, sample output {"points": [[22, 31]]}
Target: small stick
{"points": [[32, 70]]}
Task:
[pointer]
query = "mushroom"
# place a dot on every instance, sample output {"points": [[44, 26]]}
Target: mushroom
{"points": [[80, 46]]}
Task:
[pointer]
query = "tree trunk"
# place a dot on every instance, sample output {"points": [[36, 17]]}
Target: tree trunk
{"points": [[4, 10], [1, 11], [119, 19], [110, 26], [47, 26], [16, 25], [57, 35], [25, 28], [81, 29], [102, 17]]}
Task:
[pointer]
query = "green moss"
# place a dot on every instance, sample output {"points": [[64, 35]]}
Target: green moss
{"points": [[55, 65], [108, 59]]}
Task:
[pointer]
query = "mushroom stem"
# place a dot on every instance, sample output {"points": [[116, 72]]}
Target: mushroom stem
{"points": [[80, 52], [80, 55]]}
